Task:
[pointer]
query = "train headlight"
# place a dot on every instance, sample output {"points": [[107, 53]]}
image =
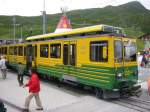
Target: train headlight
{"points": [[119, 75]]}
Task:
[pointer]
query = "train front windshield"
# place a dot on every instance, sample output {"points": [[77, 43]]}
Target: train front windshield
{"points": [[129, 49]]}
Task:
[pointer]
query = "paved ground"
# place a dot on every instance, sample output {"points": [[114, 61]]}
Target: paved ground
{"points": [[54, 99], [64, 99]]}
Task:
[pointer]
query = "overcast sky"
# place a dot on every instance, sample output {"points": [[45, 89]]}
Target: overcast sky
{"points": [[34, 7]]}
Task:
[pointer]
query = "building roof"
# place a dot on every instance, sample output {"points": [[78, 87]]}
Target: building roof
{"points": [[63, 25]]}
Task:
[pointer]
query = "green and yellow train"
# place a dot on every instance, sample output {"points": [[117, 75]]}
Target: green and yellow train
{"points": [[100, 57]]}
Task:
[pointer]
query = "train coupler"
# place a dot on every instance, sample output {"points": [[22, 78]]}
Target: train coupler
{"points": [[131, 91]]}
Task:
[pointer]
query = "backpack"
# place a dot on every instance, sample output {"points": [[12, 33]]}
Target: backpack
{"points": [[2, 107]]}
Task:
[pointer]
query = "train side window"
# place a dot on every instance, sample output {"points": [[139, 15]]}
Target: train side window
{"points": [[24, 51], [20, 51], [44, 50], [118, 53], [35, 49], [5, 52], [11, 51], [2, 51], [99, 51], [55, 50], [15, 50]]}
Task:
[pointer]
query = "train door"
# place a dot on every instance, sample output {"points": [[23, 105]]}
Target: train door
{"points": [[31, 56], [69, 53], [119, 55]]}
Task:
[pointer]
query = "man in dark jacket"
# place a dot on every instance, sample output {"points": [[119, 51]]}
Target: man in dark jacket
{"points": [[34, 89], [21, 68]]}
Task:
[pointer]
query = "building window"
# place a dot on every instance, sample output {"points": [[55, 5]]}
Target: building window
{"points": [[99, 51], [55, 50], [44, 50], [20, 51]]}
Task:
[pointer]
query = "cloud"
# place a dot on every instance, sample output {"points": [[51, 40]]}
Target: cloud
{"points": [[34, 7]]}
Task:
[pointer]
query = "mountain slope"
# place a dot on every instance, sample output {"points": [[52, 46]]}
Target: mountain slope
{"points": [[132, 16]]}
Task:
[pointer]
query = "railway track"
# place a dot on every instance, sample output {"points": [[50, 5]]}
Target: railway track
{"points": [[136, 104]]}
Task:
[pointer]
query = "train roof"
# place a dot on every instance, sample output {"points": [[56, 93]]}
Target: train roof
{"points": [[96, 28]]}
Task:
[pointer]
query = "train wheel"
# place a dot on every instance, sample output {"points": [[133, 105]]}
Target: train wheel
{"points": [[99, 93], [80, 86]]}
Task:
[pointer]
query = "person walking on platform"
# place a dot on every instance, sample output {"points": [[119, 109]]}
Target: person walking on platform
{"points": [[34, 89], [3, 67], [20, 68]]}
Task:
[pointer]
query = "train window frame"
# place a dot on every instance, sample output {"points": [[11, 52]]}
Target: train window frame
{"points": [[97, 53], [57, 53], [43, 53], [20, 50]]}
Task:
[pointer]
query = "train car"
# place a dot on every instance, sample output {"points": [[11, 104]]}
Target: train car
{"points": [[16, 54], [100, 57], [3, 49]]}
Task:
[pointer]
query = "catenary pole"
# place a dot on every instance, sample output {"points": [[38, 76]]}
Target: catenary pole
{"points": [[14, 27], [44, 18]]}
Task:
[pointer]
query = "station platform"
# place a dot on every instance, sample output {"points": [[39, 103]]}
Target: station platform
{"points": [[54, 99]]}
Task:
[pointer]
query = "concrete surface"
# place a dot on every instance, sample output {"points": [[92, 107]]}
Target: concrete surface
{"points": [[64, 99], [54, 99]]}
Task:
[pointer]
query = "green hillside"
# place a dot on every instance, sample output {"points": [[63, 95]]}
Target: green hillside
{"points": [[133, 17]]}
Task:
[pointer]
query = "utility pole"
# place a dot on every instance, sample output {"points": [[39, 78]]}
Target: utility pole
{"points": [[14, 27], [44, 18], [21, 31]]}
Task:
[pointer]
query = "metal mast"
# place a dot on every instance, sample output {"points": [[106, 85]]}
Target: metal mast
{"points": [[44, 18], [14, 27], [21, 32]]}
